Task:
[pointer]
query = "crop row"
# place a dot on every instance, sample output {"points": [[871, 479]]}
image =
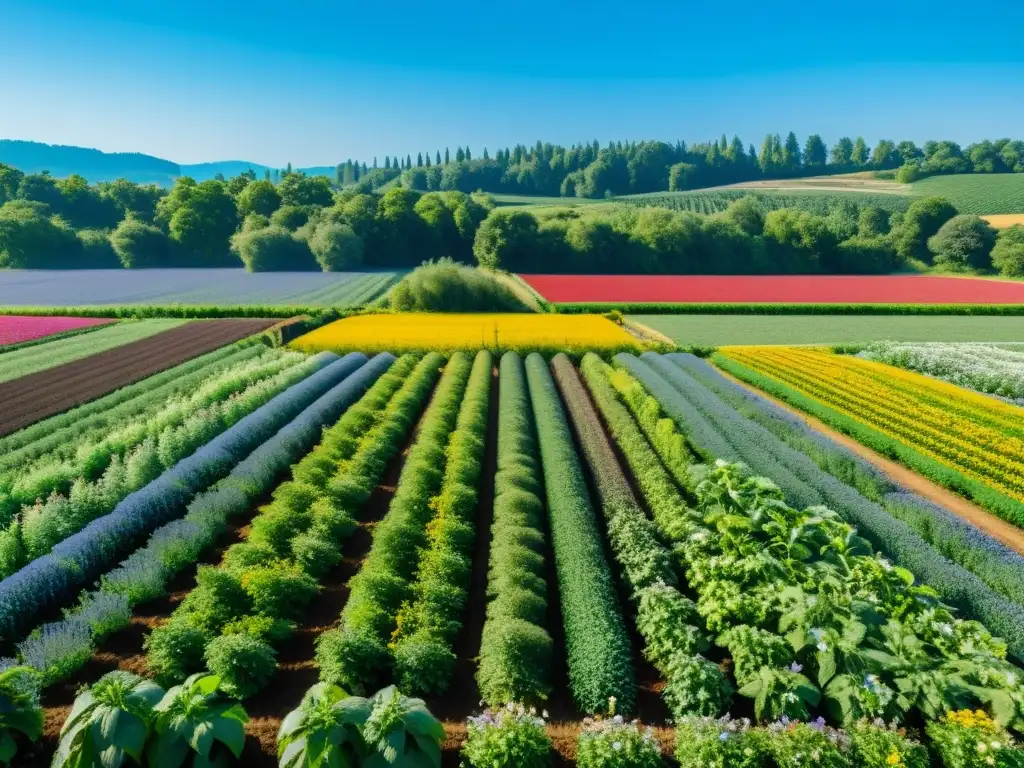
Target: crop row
{"points": [[86, 486], [432, 616], [673, 633], [516, 650], [998, 566], [55, 576], [356, 655], [961, 439], [873, 642], [807, 485], [597, 645], [59, 648], [243, 609]]}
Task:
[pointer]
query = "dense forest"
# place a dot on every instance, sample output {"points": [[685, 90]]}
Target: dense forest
{"points": [[305, 223]]}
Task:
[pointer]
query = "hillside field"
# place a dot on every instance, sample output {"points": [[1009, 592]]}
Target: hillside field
{"points": [[977, 193]]}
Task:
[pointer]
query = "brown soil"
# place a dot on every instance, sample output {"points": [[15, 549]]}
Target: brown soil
{"points": [[1008, 534], [39, 395]]}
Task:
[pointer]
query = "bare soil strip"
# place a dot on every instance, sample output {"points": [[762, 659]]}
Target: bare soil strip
{"points": [[45, 393], [994, 526]]}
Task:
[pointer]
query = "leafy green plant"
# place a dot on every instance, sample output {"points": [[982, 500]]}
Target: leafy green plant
{"points": [[197, 725], [507, 737], [401, 731], [877, 744], [808, 745], [614, 743], [324, 731], [721, 743], [109, 723], [966, 739], [21, 716], [244, 663], [781, 693]]}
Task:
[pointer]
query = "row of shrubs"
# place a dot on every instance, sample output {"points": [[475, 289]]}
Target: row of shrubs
{"points": [[674, 634], [59, 648], [598, 650], [356, 654], [55, 577], [516, 650], [243, 609], [429, 620]]}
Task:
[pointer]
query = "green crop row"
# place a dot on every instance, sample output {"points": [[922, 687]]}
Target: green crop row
{"points": [[356, 654], [516, 650], [240, 610], [428, 622], [597, 646], [673, 633]]}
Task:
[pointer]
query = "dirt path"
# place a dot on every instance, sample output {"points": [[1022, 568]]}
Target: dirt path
{"points": [[996, 527]]}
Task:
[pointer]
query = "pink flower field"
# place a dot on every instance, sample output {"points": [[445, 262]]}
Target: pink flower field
{"points": [[15, 329]]}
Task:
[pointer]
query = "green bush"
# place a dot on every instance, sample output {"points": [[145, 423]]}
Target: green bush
{"points": [[138, 244], [272, 249], [243, 663], [445, 286], [613, 743], [217, 598], [963, 243], [352, 660], [175, 650], [22, 718], [1008, 253], [507, 737], [336, 247]]}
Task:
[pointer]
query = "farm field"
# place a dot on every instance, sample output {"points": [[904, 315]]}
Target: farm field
{"points": [[235, 287], [976, 192], [1004, 220], [716, 330], [411, 331], [819, 200], [15, 330], [775, 289], [50, 389], [40, 357], [479, 530]]}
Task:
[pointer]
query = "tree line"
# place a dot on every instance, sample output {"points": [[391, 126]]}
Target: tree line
{"points": [[620, 168], [303, 222]]}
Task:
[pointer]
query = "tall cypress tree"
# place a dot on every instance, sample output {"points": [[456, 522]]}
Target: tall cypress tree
{"points": [[427, 159], [408, 161], [468, 155], [447, 157], [437, 159], [419, 159], [387, 162]]}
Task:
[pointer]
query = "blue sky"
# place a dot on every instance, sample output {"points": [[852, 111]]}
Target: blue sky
{"points": [[314, 82]]}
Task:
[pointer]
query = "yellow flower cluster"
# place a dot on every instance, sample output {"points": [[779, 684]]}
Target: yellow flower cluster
{"points": [[973, 433], [972, 719], [422, 331]]}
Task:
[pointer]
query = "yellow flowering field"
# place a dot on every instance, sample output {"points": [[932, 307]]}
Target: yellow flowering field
{"points": [[418, 331], [977, 435]]}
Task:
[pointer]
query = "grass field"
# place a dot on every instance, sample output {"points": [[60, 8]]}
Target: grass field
{"points": [[979, 192], [716, 330]]}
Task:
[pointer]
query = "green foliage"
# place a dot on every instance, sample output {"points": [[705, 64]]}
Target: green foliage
{"points": [[138, 244], [243, 663], [195, 724], [1008, 253], [507, 737], [722, 743], [980, 193], [336, 247], [922, 220], [109, 723], [445, 286], [873, 744], [401, 731], [259, 197], [968, 739], [324, 731], [29, 237], [272, 249], [598, 648], [21, 716], [614, 743], [963, 243]]}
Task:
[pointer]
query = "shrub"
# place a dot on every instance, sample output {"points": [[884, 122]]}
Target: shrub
{"points": [[22, 718], [278, 591], [722, 743], [336, 247], [922, 220], [614, 743], [966, 739], [97, 251], [809, 745], [875, 744], [175, 650], [351, 659], [141, 245], [218, 597], [507, 737], [445, 286], [963, 243], [272, 249], [1008, 253], [243, 663]]}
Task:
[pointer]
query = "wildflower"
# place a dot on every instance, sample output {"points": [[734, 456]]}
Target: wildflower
{"points": [[817, 633], [544, 714], [982, 746], [893, 758], [822, 646], [794, 667], [617, 746]]}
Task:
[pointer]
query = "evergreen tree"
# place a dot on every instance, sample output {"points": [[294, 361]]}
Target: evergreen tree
{"points": [[791, 153], [459, 155], [427, 159], [289, 168], [735, 152], [842, 152], [438, 158], [765, 158], [408, 161], [485, 154], [419, 159], [374, 161], [752, 155], [387, 162], [860, 154], [339, 175], [814, 152], [266, 175], [367, 170], [468, 155], [447, 158]]}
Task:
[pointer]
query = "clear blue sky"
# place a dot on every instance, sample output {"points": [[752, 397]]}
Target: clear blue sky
{"points": [[313, 82]]}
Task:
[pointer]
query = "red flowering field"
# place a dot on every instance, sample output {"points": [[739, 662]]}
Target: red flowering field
{"points": [[780, 289], [16, 328]]}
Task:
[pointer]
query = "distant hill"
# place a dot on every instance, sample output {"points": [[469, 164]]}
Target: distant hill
{"points": [[62, 161]]}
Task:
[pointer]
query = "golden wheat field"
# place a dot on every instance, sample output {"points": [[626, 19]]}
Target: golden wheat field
{"points": [[410, 332], [1004, 220]]}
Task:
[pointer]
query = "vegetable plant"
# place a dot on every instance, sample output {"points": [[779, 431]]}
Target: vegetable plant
{"points": [[196, 724], [21, 717]]}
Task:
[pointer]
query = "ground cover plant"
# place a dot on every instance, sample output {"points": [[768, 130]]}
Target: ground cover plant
{"points": [[779, 289], [820, 202], [970, 193], [516, 650], [961, 439], [15, 329], [989, 368], [226, 287], [55, 577], [356, 654], [407, 332], [42, 356], [715, 330], [597, 645]]}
